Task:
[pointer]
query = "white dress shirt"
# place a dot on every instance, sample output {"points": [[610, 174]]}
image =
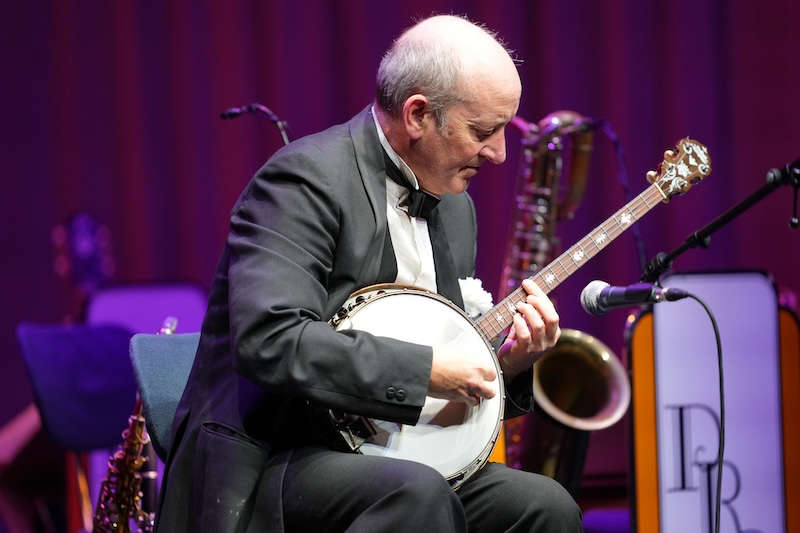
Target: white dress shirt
{"points": [[410, 238]]}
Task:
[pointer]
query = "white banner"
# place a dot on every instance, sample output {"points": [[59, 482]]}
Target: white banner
{"points": [[687, 402]]}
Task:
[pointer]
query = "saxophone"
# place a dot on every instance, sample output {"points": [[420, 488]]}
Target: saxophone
{"points": [[128, 493], [579, 385], [121, 497]]}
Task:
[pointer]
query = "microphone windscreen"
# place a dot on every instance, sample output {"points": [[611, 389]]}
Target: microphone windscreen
{"points": [[233, 112], [590, 296]]}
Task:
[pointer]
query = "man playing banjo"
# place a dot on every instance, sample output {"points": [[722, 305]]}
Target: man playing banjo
{"points": [[379, 199]]}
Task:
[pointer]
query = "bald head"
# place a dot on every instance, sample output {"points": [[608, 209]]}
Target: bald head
{"points": [[444, 58], [472, 47]]}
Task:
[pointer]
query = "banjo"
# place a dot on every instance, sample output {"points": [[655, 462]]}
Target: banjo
{"points": [[452, 437]]}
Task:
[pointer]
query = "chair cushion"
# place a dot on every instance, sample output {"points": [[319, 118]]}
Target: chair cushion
{"points": [[162, 364]]}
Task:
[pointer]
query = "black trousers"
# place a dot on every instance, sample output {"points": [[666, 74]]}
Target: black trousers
{"points": [[325, 490]]}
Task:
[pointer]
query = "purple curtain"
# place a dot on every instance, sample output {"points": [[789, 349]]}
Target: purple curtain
{"points": [[113, 108]]}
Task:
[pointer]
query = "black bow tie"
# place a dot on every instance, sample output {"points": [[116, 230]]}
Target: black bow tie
{"points": [[422, 204], [419, 203]]}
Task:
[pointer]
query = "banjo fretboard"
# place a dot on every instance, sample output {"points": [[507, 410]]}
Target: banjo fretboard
{"points": [[676, 174]]}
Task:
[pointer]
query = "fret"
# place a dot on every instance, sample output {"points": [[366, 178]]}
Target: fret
{"points": [[494, 329], [488, 318], [565, 269], [517, 296], [578, 255], [656, 194], [499, 319], [493, 322], [625, 219], [559, 274], [485, 323], [601, 239], [484, 327], [549, 278], [511, 308]]}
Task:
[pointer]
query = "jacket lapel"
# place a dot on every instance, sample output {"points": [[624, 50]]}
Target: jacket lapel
{"points": [[372, 172]]}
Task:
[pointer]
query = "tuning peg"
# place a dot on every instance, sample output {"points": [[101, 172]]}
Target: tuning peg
{"points": [[651, 176], [669, 154]]}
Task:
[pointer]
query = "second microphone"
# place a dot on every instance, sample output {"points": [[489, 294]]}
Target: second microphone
{"points": [[598, 297]]}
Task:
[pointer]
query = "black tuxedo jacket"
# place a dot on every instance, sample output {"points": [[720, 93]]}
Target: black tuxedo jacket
{"points": [[308, 230]]}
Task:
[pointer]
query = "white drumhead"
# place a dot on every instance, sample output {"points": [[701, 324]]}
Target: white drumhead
{"points": [[463, 442]]}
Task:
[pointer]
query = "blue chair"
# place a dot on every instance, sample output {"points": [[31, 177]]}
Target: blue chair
{"points": [[140, 307], [161, 364]]}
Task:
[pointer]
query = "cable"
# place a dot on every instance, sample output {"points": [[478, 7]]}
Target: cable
{"points": [[721, 409], [622, 176]]}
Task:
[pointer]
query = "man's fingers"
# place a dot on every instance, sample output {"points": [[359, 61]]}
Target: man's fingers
{"points": [[532, 324], [544, 308], [521, 332], [480, 390], [487, 373], [533, 330], [557, 334], [532, 288]]}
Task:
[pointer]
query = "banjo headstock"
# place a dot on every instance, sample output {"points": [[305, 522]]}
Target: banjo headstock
{"points": [[681, 168]]}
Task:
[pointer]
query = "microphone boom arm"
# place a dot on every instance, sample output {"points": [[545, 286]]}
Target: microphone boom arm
{"points": [[257, 108], [789, 175]]}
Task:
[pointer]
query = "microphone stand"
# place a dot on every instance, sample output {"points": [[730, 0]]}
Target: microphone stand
{"points": [[282, 125], [789, 175]]}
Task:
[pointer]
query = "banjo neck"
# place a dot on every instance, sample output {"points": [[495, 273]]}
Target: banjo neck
{"points": [[500, 317], [689, 163]]}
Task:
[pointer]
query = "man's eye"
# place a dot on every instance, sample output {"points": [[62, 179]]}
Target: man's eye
{"points": [[482, 135]]}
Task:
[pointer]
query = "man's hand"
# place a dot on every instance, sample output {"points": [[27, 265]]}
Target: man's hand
{"points": [[459, 374], [535, 329]]}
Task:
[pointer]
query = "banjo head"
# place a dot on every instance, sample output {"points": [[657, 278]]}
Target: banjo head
{"points": [[451, 437]]}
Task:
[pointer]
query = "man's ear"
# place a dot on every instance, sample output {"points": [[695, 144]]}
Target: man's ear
{"points": [[415, 115]]}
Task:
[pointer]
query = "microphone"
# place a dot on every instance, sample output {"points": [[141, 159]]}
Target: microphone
{"points": [[598, 297], [232, 112], [788, 174]]}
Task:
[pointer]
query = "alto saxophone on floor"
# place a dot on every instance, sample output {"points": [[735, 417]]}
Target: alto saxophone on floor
{"points": [[579, 384], [129, 491], [121, 498]]}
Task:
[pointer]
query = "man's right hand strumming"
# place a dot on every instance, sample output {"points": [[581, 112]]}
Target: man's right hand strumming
{"points": [[459, 374]]}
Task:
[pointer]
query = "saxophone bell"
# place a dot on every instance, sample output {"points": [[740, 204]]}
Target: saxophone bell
{"points": [[581, 383]]}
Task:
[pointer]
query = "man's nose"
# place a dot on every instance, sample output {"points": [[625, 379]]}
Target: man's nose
{"points": [[495, 148]]}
